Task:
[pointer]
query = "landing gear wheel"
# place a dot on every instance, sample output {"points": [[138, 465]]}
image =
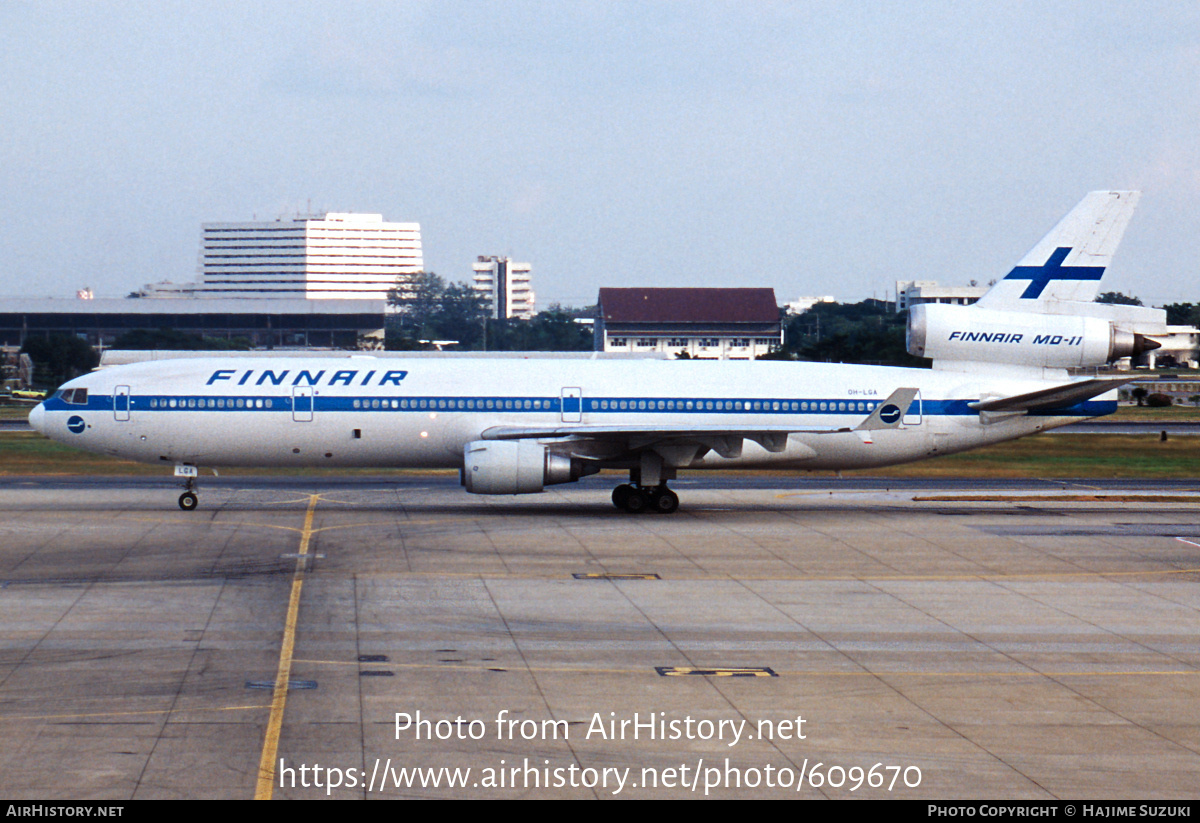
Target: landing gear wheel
{"points": [[636, 500], [188, 501], [664, 501], [620, 494]]}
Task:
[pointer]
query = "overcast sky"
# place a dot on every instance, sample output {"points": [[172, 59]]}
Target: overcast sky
{"points": [[818, 148]]}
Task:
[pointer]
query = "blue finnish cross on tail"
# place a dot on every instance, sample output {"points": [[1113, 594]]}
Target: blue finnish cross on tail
{"points": [[1040, 276]]}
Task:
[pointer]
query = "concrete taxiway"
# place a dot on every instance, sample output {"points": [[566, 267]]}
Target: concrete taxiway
{"points": [[776, 637]]}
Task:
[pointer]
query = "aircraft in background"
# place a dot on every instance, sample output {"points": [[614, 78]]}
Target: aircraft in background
{"points": [[1000, 371]]}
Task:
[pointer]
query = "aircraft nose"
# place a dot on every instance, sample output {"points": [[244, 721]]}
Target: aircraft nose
{"points": [[37, 417]]}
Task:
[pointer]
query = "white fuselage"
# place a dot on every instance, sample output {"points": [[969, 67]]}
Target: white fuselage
{"points": [[391, 411]]}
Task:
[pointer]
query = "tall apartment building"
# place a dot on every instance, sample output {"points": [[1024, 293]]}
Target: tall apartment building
{"points": [[505, 286], [332, 255]]}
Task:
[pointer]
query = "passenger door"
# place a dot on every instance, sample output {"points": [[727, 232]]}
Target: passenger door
{"points": [[121, 403], [302, 404], [572, 405], [915, 412]]}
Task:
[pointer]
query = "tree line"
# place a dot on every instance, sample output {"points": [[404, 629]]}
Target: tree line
{"points": [[430, 313], [869, 332]]}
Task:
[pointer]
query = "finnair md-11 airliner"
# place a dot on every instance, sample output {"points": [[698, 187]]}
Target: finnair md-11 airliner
{"points": [[516, 426]]}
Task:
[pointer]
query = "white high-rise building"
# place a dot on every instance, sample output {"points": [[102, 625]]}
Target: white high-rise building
{"points": [[333, 255], [505, 286]]}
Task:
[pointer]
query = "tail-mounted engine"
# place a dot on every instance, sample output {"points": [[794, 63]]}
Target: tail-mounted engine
{"points": [[973, 334], [518, 467]]}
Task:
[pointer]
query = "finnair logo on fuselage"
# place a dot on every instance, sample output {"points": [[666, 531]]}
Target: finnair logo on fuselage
{"points": [[306, 377]]}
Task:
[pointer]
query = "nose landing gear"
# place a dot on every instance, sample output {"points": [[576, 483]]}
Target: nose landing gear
{"points": [[189, 500]]}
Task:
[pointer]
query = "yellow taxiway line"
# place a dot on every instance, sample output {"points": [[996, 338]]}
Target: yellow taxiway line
{"points": [[266, 764]]}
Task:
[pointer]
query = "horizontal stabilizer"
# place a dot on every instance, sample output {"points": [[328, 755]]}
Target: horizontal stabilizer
{"points": [[1054, 398]]}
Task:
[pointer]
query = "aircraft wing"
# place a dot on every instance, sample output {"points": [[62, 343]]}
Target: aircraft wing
{"points": [[619, 432], [772, 437], [1057, 397], [725, 440]]}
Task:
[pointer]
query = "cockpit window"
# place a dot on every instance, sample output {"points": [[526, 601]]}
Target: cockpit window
{"points": [[77, 397]]}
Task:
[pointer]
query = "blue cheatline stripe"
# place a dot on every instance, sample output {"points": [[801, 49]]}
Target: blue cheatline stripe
{"points": [[598, 406]]}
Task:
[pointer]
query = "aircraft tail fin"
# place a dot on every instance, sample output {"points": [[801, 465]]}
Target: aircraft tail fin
{"points": [[1069, 262]]}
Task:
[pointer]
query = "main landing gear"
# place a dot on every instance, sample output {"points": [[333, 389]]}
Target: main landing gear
{"points": [[636, 499], [647, 489]]}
